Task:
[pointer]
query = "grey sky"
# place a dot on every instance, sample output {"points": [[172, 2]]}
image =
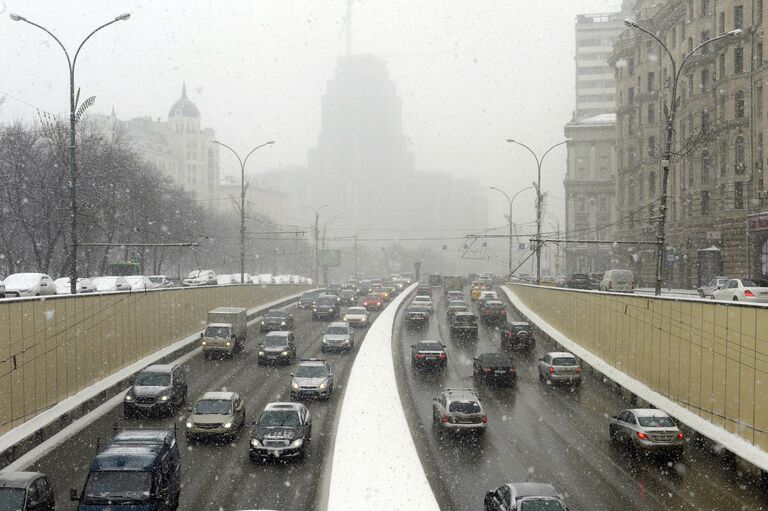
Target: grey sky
{"points": [[470, 74]]}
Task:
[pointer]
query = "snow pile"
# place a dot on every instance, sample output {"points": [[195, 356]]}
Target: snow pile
{"points": [[375, 464]]}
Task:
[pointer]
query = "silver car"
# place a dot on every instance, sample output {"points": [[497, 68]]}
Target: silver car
{"points": [[216, 415], [713, 285], [459, 411], [313, 378], [338, 336], [647, 430], [560, 367]]}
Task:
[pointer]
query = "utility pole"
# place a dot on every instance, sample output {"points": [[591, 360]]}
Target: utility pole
{"points": [[325, 266], [355, 256], [316, 211], [509, 218]]}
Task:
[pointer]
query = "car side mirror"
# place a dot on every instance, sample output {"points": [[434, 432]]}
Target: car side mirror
{"points": [[202, 334], [189, 409], [434, 399], [162, 494], [73, 496], [541, 359], [292, 374], [489, 496], [615, 417]]}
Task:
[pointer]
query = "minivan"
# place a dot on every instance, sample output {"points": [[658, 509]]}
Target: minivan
{"points": [[618, 280]]}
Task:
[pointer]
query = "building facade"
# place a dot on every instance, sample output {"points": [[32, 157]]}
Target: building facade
{"points": [[716, 182]]}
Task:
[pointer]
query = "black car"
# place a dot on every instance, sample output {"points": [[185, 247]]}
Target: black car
{"points": [[424, 291], [493, 312], [428, 354], [364, 287], [156, 389], [277, 347], [416, 319], [348, 297], [464, 325], [494, 368], [277, 320], [26, 491], [284, 430], [308, 299], [579, 281], [326, 307], [517, 335]]}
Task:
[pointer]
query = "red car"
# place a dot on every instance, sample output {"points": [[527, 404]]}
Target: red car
{"points": [[373, 302]]}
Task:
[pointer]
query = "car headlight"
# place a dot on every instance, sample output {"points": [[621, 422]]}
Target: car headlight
{"points": [[321, 386], [190, 424], [255, 442], [128, 397], [229, 343], [261, 353], [282, 323], [262, 322], [297, 443], [295, 386], [227, 425], [164, 398], [205, 343], [285, 353]]}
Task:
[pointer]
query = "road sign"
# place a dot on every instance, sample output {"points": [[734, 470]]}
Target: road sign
{"points": [[329, 258]]}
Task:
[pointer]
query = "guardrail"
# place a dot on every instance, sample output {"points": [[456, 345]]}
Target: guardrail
{"points": [[373, 433]]}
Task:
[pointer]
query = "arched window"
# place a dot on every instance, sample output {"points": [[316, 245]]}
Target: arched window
{"points": [[706, 165], [723, 159], [651, 185], [739, 103], [740, 167]]}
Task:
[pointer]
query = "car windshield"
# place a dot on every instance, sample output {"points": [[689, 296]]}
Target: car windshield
{"points": [[217, 331], [274, 418], [11, 499], [373, 297], [563, 361], [656, 422], [21, 279], [521, 328], [275, 341], [326, 300], [467, 319], [492, 305], [464, 407], [534, 504], [213, 407], [353, 311], [429, 346], [275, 314], [152, 379], [310, 371], [118, 486], [156, 280], [337, 330], [622, 276]]}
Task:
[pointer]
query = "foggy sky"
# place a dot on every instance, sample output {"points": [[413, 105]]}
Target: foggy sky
{"points": [[470, 74]]}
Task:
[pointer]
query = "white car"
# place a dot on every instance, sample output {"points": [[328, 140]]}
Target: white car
{"points": [[422, 302], [618, 280], [2, 289], [84, 285], [224, 280], [740, 290], [264, 278], [139, 282], [200, 278], [357, 317], [161, 281], [111, 284], [29, 284], [486, 296], [235, 278]]}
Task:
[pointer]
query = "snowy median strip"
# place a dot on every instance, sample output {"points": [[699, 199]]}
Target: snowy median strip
{"points": [[375, 464], [730, 441]]}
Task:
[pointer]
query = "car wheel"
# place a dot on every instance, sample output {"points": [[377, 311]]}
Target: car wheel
{"points": [[612, 434], [735, 299], [541, 376]]}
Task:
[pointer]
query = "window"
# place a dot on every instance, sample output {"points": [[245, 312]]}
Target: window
{"points": [[705, 80], [690, 44], [759, 55], [705, 8], [651, 114], [651, 184], [673, 37], [759, 98], [721, 22], [632, 156], [706, 165], [651, 81], [690, 173], [739, 104], [651, 147], [705, 37], [690, 11], [738, 60], [738, 195], [759, 12], [722, 65], [722, 107], [704, 121], [739, 167], [738, 16], [723, 159], [705, 202], [631, 66]]}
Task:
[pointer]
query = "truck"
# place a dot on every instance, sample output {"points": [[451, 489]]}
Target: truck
{"points": [[452, 283], [226, 332]]}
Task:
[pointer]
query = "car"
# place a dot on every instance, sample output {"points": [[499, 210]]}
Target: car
{"points": [[161, 281], [2, 289], [494, 368], [517, 335], [560, 367], [493, 312], [200, 278], [326, 307], [217, 415], [333, 289], [313, 378], [157, 389], [139, 282], [595, 278], [706, 290], [578, 281], [29, 284], [26, 491], [647, 430], [307, 299], [357, 317], [111, 284], [277, 319], [486, 296], [477, 288], [464, 326], [283, 430], [348, 297], [454, 295], [422, 302], [373, 302], [459, 411], [454, 307], [382, 292], [363, 287], [84, 285], [428, 354], [224, 280], [338, 336], [524, 496], [277, 346], [423, 290], [618, 281], [742, 290], [416, 318]]}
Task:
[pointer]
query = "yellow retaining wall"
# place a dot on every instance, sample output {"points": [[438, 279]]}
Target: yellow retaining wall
{"points": [[709, 357], [51, 349]]}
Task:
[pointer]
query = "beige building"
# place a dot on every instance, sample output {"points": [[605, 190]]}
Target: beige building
{"points": [[259, 201], [716, 180]]}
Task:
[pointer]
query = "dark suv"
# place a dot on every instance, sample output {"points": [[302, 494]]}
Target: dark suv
{"points": [[326, 307], [26, 491], [579, 281], [517, 335], [284, 430], [464, 325], [493, 312], [156, 389], [277, 320]]}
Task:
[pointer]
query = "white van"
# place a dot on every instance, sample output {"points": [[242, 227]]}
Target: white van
{"points": [[619, 281]]}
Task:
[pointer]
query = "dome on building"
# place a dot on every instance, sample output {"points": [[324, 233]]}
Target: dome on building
{"points": [[184, 107]]}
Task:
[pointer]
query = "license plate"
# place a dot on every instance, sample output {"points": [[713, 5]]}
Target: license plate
{"points": [[431, 359], [500, 371], [271, 357]]}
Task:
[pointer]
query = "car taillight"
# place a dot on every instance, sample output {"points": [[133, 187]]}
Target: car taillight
{"points": [[551, 370], [512, 370], [444, 419], [485, 419], [443, 356], [642, 436], [578, 370], [486, 370], [747, 292], [680, 436], [419, 356]]}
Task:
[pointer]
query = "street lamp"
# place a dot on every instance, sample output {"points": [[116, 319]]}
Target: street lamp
{"points": [[325, 227], [539, 161], [317, 234], [72, 185], [510, 201], [670, 111], [242, 199]]}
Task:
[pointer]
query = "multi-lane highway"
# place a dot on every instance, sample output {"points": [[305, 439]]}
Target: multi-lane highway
{"points": [[221, 477], [556, 435]]}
